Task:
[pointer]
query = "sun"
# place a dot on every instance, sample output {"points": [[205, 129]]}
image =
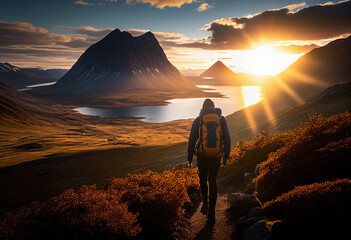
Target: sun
{"points": [[266, 61]]}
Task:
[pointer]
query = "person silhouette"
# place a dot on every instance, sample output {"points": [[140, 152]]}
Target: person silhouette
{"points": [[209, 139]]}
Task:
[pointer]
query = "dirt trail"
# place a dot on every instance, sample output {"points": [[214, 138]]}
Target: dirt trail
{"points": [[200, 229]]}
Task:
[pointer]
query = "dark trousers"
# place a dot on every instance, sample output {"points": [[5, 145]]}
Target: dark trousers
{"points": [[208, 172]]}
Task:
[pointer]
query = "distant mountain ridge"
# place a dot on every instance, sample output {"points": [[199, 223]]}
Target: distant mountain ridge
{"points": [[20, 77], [120, 63]]}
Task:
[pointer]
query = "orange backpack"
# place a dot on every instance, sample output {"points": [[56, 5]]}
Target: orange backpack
{"points": [[209, 144]]}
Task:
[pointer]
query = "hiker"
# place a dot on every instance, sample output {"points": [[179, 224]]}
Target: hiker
{"points": [[209, 139]]}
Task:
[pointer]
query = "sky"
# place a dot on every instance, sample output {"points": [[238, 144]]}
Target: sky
{"points": [[254, 36]]}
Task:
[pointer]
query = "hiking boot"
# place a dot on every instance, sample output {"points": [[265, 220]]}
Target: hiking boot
{"points": [[211, 215], [204, 208]]}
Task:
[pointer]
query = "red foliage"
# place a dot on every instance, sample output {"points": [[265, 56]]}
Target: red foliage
{"points": [[316, 151], [121, 210]]}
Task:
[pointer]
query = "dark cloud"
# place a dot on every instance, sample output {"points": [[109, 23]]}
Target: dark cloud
{"points": [[27, 45], [311, 23]]}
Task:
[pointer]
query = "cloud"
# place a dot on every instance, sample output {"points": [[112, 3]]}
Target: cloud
{"points": [[80, 2], [28, 46], [156, 3], [163, 3], [311, 23], [203, 7], [89, 3], [294, 6]]}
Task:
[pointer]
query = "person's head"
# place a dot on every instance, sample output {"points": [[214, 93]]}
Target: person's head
{"points": [[208, 103]]}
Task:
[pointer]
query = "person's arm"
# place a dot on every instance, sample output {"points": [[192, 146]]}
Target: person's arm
{"points": [[194, 135], [226, 139]]}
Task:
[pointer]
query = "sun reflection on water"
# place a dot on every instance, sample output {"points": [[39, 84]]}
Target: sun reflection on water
{"points": [[251, 95]]}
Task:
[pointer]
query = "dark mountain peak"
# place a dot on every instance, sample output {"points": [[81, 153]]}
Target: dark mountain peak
{"points": [[119, 62], [117, 34], [147, 35], [219, 63], [218, 69]]}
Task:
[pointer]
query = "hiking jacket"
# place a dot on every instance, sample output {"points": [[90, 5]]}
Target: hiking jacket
{"points": [[194, 135]]}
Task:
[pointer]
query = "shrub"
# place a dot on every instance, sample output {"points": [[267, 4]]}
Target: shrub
{"points": [[147, 201], [321, 207], [316, 151], [86, 214], [246, 155], [157, 198]]}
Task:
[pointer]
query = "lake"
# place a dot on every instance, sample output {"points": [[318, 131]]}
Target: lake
{"points": [[235, 98]]}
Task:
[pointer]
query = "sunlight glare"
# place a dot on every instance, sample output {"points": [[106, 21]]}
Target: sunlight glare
{"points": [[266, 61], [251, 95]]}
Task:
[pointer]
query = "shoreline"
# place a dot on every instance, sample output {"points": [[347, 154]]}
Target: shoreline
{"points": [[123, 99]]}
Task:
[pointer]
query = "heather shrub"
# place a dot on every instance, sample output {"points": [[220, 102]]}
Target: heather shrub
{"points": [[157, 198], [246, 155], [86, 214], [315, 209], [125, 208], [316, 151]]}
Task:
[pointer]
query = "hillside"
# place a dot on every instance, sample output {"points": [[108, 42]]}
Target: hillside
{"points": [[302, 180], [159, 204], [23, 109], [248, 122], [21, 77]]}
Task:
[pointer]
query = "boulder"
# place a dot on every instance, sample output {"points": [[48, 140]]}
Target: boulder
{"points": [[258, 231]]}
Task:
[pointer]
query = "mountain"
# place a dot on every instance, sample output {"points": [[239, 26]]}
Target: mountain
{"points": [[311, 74], [220, 74], [122, 63], [218, 70], [58, 73], [21, 77]]}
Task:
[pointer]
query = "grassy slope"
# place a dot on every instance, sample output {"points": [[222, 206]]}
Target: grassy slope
{"points": [[333, 100]]}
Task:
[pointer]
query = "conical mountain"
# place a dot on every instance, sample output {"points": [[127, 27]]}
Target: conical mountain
{"points": [[218, 70], [122, 63]]}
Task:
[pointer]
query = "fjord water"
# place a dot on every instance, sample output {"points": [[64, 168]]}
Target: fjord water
{"points": [[234, 99]]}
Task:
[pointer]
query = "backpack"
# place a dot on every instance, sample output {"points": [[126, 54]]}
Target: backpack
{"points": [[209, 144]]}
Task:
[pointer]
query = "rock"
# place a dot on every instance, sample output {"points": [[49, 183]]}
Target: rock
{"points": [[248, 220], [258, 231], [237, 196]]}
